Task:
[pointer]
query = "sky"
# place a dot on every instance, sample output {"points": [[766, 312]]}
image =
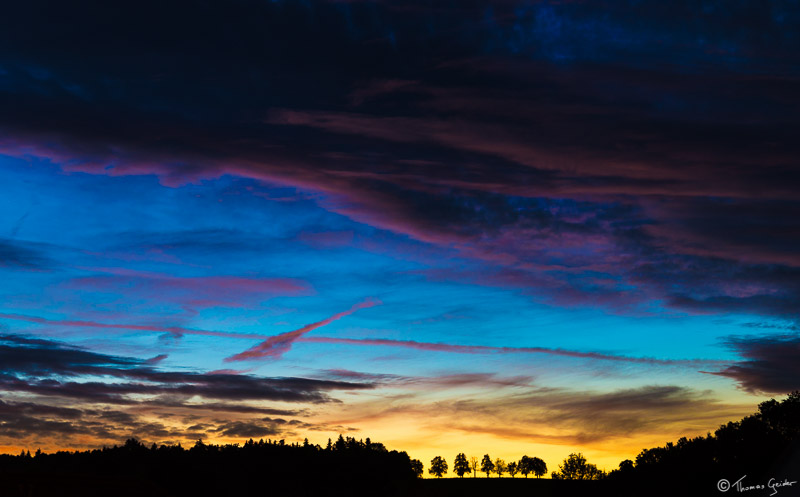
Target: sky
{"points": [[508, 227]]}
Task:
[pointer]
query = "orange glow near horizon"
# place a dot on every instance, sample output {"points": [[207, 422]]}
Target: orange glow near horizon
{"points": [[424, 436]]}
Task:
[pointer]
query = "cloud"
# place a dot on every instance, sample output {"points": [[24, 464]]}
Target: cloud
{"points": [[522, 138], [770, 364], [596, 417], [523, 410], [274, 347], [216, 407], [198, 292], [281, 343], [171, 330], [242, 429], [485, 349], [40, 367], [30, 408], [34, 357], [18, 255], [56, 395], [346, 374], [27, 421], [155, 360]]}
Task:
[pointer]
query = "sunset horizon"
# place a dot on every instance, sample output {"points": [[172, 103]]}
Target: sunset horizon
{"points": [[508, 227]]}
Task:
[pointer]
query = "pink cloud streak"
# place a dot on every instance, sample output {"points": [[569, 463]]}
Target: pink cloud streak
{"points": [[196, 291], [274, 347], [176, 330], [484, 349]]}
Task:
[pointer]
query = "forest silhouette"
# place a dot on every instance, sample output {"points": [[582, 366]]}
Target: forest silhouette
{"points": [[344, 467], [763, 447]]}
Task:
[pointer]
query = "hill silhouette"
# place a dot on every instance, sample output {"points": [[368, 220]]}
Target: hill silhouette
{"points": [[763, 448]]}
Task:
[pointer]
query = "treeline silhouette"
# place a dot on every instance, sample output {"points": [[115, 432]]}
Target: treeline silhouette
{"points": [[344, 467], [761, 447]]}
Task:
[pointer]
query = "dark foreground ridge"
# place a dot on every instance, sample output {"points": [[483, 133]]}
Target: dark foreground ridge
{"points": [[761, 452]]}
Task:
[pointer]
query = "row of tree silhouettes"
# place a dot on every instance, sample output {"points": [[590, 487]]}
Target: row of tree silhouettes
{"points": [[462, 466], [574, 467]]}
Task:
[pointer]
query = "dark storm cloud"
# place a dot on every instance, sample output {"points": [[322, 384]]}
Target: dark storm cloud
{"points": [[770, 364], [612, 155]]}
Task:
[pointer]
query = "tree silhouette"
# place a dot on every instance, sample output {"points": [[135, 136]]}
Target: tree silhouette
{"points": [[438, 466], [340, 444], [538, 467], [460, 465], [512, 468], [524, 465], [575, 467], [473, 464], [416, 467], [487, 466], [625, 467], [499, 467]]}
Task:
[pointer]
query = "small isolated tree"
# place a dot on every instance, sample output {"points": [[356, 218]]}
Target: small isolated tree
{"points": [[512, 469], [524, 466], [538, 467], [416, 467], [473, 464], [487, 466], [438, 466], [575, 467], [500, 467], [460, 465]]}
